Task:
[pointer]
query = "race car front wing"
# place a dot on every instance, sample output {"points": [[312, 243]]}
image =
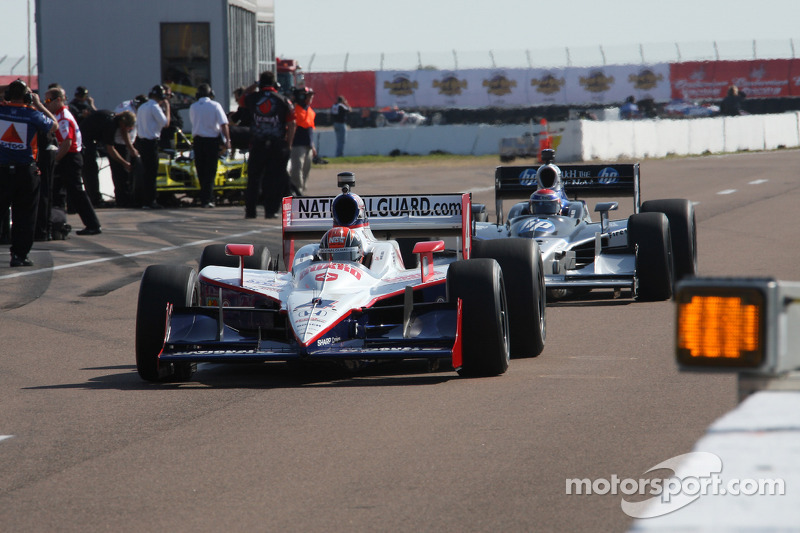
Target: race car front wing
{"points": [[225, 334]]}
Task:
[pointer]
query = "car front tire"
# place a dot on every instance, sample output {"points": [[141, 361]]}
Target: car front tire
{"points": [[484, 318], [162, 285]]}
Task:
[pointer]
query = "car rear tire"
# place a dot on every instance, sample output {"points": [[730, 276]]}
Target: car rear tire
{"points": [[484, 316], [523, 275], [160, 285], [479, 213], [683, 230], [214, 254], [649, 235]]}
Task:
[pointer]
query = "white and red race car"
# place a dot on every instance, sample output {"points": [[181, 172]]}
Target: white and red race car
{"points": [[349, 297]]}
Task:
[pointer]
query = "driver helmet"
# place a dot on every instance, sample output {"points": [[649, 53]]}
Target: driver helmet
{"points": [[341, 244], [545, 202]]}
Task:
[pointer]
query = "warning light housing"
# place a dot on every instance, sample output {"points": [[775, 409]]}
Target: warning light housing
{"points": [[744, 325]]}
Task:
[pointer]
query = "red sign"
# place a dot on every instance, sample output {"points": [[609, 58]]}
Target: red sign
{"points": [[709, 80], [357, 87]]}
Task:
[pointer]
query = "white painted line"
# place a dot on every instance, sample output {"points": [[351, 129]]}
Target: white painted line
{"points": [[4, 437], [133, 254], [727, 191], [757, 182]]}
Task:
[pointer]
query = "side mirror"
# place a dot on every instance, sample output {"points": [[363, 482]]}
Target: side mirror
{"points": [[603, 208]]}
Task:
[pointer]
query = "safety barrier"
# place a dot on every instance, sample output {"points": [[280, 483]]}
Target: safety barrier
{"points": [[584, 140]]}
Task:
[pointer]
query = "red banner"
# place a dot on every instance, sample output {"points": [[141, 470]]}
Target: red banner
{"points": [[32, 81], [357, 87], [709, 80]]}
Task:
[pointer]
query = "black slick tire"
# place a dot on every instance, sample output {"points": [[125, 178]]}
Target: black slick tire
{"points": [[160, 285], [683, 230], [649, 235], [523, 276], [214, 254], [484, 326]]}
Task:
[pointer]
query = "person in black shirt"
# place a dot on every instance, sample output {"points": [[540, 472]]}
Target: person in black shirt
{"points": [[732, 103], [339, 112], [81, 106], [104, 128], [271, 136]]}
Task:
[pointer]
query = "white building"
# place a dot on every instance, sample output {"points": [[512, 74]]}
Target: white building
{"points": [[121, 48]]}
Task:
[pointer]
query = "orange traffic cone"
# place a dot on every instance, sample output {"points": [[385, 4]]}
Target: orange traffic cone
{"points": [[545, 141]]}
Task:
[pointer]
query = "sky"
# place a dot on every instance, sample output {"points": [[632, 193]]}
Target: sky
{"points": [[324, 26], [434, 28], [330, 32]]}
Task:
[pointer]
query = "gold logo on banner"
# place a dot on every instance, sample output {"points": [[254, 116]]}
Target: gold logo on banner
{"points": [[401, 86], [547, 84], [597, 82], [499, 85], [645, 80], [450, 86]]}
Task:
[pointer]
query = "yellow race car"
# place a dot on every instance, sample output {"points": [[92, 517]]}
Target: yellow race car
{"points": [[177, 177]]}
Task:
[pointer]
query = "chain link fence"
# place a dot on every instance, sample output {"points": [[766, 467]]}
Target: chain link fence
{"points": [[579, 56], [16, 66]]}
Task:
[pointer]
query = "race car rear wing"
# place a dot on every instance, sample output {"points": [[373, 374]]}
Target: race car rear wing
{"points": [[578, 181], [390, 217]]}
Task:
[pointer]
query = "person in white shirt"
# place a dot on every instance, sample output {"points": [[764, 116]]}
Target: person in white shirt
{"points": [[209, 132], [151, 117], [131, 105]]}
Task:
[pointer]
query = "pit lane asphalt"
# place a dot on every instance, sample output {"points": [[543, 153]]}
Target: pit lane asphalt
{"points": [[265, 447]]}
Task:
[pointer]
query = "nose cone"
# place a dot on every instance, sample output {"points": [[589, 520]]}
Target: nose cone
{"points": [[311, 314], [325, 293]]}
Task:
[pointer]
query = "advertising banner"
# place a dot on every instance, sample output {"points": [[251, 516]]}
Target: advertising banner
{"points": [[464, 89], [357, 87], [709, 80], [611, 85], [474, 88]]}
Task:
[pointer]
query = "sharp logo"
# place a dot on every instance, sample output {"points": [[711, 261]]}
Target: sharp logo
{"points": [[528, 177], [328, 340], [608, 176]]}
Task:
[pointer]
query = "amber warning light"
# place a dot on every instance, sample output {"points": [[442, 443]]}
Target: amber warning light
{"points": [[746, 325], [718, 327]]}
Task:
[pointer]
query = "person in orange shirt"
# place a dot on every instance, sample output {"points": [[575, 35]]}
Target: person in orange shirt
{"points": [[303, 149]]}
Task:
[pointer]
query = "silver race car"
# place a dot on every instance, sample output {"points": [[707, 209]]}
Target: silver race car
{"points": [[645, 252]]}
